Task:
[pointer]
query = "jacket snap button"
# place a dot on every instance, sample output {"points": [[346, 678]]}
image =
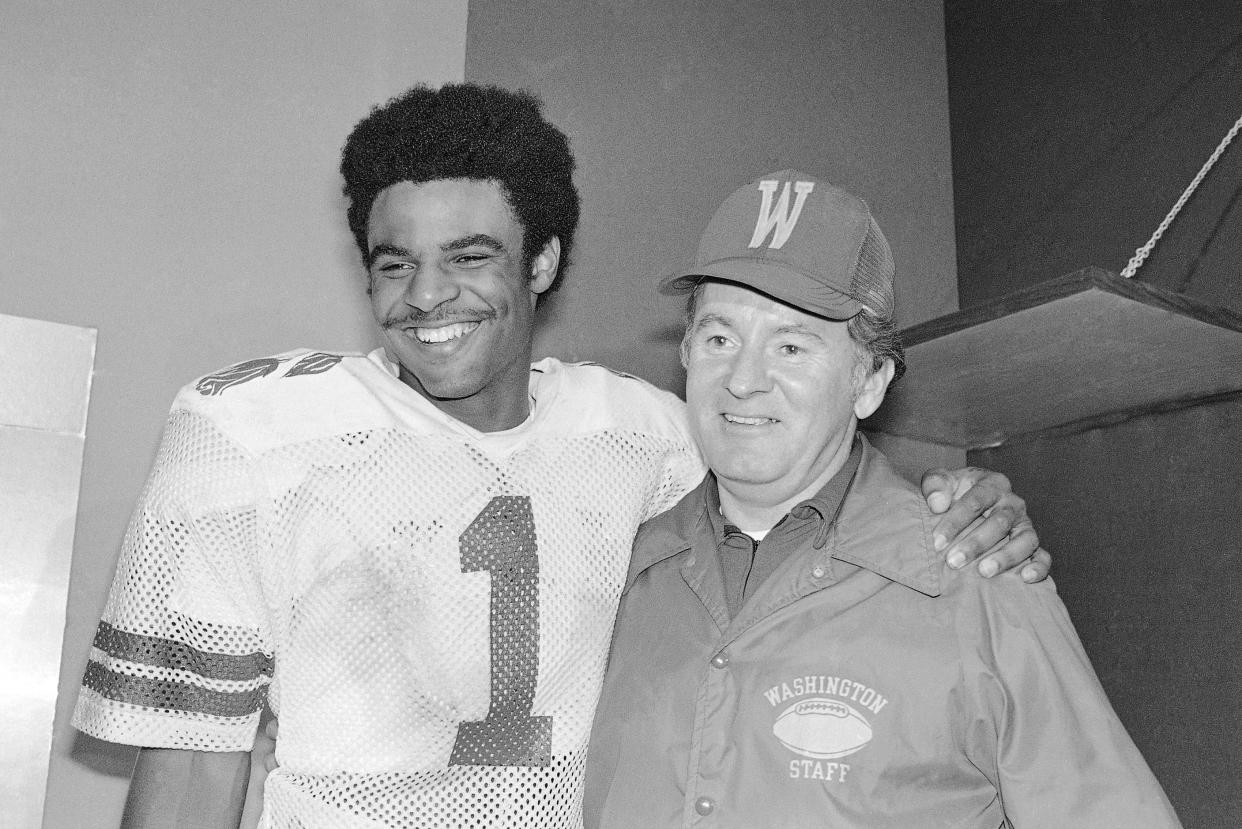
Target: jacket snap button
{"points": [[720, 660], [704, 806], [818, 572]]}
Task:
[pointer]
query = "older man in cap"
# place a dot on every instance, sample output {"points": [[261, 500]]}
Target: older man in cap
{"points": [[790, 649]]}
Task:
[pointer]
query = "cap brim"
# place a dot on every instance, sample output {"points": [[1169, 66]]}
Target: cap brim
{"points": [[784, 284]]}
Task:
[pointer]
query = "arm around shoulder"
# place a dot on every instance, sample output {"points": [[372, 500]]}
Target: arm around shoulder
{"points": [[180, 789]]}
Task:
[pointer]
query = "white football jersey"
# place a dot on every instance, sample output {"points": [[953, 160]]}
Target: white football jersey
{"points": [[426, 607]]}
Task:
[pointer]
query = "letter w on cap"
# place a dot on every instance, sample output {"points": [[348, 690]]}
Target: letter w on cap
{"points": [[782, 219]]}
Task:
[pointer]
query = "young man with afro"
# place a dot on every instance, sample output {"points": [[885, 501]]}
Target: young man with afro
{"points": [[414, 556]]}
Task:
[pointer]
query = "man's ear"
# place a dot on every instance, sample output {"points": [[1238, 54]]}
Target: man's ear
{"points": [[543, 268], [874, 387]]}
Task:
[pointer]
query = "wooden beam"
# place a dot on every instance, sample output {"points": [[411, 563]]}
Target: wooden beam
{"points": [[1086, 346]]}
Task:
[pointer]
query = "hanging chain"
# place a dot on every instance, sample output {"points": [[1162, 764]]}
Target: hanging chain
{"points": [[1142, 253]]}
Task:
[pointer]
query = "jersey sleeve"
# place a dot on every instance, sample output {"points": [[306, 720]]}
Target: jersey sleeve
{"points": [[179, 659], [1061, 755], [682, 468]]}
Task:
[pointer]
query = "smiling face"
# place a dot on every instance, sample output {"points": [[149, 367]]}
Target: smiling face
{"points": [[775, 395], [453, 297]]}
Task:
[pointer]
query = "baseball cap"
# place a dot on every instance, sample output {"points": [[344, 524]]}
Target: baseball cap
{"points": [[797, 239]]}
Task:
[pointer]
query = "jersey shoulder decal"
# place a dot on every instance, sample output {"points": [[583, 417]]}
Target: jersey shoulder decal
{"points": [[316, 362]]}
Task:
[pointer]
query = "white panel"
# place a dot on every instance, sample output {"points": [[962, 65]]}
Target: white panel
{"points": [[45, 374], [45, 381]]}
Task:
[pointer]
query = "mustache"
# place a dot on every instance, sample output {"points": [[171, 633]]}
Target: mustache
{"points": [[418, 319]]}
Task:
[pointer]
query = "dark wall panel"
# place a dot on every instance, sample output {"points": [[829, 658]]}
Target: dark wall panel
{"points": [[1148, 559], [1076, 126]]}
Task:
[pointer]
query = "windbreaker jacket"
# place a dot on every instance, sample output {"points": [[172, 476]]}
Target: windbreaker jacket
{"points": [[864, 684]]}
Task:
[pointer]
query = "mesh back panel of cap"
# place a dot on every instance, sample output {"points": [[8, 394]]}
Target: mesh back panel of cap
{"points": [[873, 275], [872, 285]]}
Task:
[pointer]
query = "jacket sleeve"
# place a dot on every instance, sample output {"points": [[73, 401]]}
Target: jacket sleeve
{"points": [[1062, 757]]}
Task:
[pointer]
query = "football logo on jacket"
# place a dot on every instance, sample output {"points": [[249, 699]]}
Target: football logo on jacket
{"points": [[822, 719], [822, 728]]}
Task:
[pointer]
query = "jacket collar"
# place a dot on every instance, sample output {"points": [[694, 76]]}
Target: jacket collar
{"points": [[884, 526]]}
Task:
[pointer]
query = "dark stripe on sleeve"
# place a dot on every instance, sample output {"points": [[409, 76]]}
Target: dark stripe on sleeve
{"points": [[167, 653], [171, 696]]}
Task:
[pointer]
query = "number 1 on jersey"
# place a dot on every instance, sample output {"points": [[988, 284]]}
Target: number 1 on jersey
{"points": [[501, 540]]}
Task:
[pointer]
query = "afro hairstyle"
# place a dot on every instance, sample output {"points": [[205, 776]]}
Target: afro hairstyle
{"points": [[473, 132]]}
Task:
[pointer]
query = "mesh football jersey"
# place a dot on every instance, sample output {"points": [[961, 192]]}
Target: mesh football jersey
{"points": [[426, 607]]}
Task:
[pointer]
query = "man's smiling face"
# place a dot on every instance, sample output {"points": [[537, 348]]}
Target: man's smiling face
{"points": [[453, 297], [774, 393]]}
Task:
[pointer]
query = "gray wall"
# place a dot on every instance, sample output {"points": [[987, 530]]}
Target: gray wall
{"points": [[671, 106]]}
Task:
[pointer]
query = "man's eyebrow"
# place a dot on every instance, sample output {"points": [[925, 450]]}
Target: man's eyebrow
{"points": [[476, 239], [711, 319], [387, 249], [798, 328]]}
